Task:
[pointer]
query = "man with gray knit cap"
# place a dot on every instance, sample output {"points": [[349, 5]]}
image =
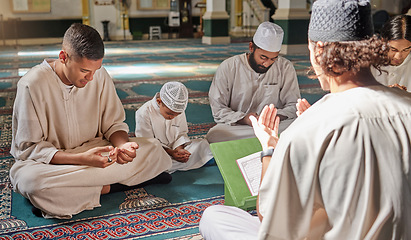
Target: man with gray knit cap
{"points": [[245, 83], [342, 169]]}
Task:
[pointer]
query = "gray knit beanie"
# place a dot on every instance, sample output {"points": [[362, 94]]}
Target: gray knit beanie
{"points": [[340, 20]]}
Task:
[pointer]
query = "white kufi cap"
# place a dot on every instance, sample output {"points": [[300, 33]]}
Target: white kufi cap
{"points": [[269, 37], [175, 96]]}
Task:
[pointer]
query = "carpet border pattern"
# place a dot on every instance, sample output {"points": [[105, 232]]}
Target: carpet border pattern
{"points": [[130, 225]]}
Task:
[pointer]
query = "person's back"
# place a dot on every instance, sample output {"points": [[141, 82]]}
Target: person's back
{"points": [[342, 169], [348, 154], [361, 156]]}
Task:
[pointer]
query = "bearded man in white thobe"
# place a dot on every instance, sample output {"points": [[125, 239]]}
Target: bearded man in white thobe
{"points": [[341, 170], [66, 116], [245, 83]]}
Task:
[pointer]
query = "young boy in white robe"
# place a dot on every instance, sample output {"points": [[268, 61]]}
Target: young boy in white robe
{"points": [[163, 118]]}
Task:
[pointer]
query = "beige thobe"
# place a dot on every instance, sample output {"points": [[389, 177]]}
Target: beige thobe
{"points": [[48, 118], [350, 154], [237, 90], [171, 134]]}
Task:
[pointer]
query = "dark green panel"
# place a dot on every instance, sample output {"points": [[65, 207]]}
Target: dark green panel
{"points": [[215, 27], [295, 30], [36, 28], [196, 20], [143, 24]]}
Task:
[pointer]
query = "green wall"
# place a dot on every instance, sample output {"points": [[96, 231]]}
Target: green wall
{"points": [[215, 27], [295, 31]]}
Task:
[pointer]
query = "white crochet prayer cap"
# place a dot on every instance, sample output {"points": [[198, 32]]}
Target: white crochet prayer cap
{"points": [[269, 37], [175, 96]]}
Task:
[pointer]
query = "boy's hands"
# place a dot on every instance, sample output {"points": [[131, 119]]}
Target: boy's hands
{"points": [[180, 154]]}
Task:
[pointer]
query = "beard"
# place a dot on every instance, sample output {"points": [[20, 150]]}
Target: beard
{"points": [[255, 66]]}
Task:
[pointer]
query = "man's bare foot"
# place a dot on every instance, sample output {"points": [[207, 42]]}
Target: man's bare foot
{"points": [[105, 190]]}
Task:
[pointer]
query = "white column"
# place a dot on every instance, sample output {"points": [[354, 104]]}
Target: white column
{"points": [[112, 13], [215, 21]]}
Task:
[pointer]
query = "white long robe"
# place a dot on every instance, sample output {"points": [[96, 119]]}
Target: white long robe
{"points": [[237, 90], [171, 134], [349, 153], [395, 74], [48, 118]]}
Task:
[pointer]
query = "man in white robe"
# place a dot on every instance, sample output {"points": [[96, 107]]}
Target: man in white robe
{"points": [[365, 190], [160, 118], [367, 187], [245, 83], [397, 31], [342, 169], [66, 116]]}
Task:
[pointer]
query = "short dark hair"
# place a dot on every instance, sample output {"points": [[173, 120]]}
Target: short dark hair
{"points": [[337, 58], [397, 28], [83, 41]]}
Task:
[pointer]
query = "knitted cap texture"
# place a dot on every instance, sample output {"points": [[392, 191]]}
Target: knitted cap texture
{"points": [[340, 20], [269, 37], [175, 96]]}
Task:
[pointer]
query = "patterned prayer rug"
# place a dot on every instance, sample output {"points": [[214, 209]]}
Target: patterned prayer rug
{"points": [[162, 221], [139, 69]]}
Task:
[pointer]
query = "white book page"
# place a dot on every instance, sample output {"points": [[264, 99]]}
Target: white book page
{"points": [[250, 166]]}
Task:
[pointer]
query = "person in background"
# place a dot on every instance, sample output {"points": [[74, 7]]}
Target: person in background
{"points": [[69, 138], [341, 170], [245, 83], [164, 118], [397, 32]]}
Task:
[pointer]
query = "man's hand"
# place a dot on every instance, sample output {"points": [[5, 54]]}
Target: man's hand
{"points": [[126, 152], [94, 157], [266, 130], [246, 120], [302, 105], [266, 127]]}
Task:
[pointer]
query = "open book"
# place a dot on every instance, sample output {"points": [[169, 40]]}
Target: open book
{"points": [[250, 167]]}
